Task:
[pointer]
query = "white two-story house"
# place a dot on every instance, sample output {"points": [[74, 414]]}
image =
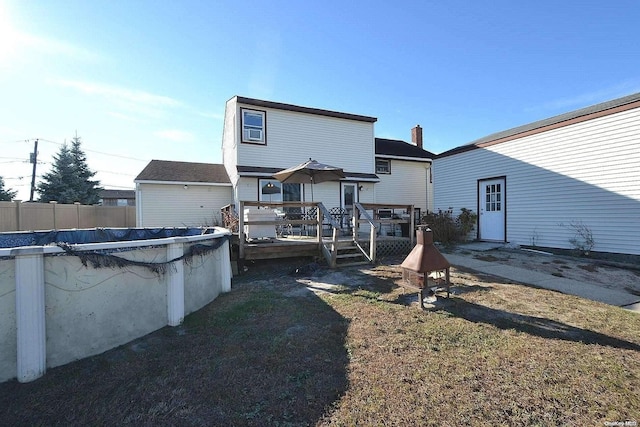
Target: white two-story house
{"points": [[261, 138]]}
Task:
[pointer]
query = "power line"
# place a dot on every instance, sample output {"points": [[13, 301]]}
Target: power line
{"points": [[17, 140], [101, 152], [116, 173]]}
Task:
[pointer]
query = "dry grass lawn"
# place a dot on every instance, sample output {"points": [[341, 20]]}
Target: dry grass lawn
{"points": [[273, 354]]}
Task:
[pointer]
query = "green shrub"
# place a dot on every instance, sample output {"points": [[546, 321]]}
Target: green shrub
{"points": [[448, 229]]}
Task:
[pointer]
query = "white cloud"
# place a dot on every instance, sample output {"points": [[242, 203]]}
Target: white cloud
{"points": [[175, 135], [621, 89], [56, 47], [16, 44], [215, 116], [121, 94]]}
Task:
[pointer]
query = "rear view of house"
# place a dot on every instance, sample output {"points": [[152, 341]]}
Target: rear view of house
{"points": [[261, 138], [571, 181]]}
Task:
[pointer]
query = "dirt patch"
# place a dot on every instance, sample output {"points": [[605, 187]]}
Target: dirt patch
{"points": [[624, 278]]}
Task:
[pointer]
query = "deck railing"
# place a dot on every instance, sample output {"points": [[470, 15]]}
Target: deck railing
{"points": [[329, 248], [363, 216], [371, 215]]}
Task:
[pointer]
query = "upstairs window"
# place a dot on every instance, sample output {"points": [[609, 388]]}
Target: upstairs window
{"points": [[253, 126], [383, 166]]}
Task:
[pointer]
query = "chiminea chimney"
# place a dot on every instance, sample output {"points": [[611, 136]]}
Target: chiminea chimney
{"points": [[416, 136]]}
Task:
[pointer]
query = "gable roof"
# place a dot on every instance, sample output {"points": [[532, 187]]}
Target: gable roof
{"points": [[395, 148], [118, 194], [170, 171], [307, 110], [588, 113]]}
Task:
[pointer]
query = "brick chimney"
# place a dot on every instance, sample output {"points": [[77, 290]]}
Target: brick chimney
{"points": [[416, 136]]}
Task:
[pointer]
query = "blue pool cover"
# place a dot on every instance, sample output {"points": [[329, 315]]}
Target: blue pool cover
{"points": [[95, 235]]}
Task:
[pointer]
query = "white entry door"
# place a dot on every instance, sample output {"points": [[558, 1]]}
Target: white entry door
{"points": [[349, 197], [491, 201]]}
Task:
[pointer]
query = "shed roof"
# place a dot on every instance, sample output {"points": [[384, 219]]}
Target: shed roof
{"points": [[166, 170], [300, 109], [117, 194], [566, 119], [398, 148]]}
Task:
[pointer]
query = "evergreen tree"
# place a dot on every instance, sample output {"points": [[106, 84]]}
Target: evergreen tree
{"points": [[6, 195], [69, 180], [88, 188]]}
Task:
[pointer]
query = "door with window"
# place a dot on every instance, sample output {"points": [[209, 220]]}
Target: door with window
{"points": [[492, 206], [349, 197]]}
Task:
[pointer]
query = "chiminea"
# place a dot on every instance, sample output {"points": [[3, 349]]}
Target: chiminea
{"points": [[423, 260]]}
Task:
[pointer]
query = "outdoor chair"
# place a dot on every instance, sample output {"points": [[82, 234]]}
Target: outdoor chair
{"points": [[311, 215], [293, 229], [338, 215]]}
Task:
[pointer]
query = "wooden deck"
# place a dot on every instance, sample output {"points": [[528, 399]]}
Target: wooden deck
{"points": [[288, 247], [280, 247], [328, 238]]}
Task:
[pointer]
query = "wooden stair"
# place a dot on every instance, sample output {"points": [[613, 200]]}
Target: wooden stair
{"points": [[348, 255]]}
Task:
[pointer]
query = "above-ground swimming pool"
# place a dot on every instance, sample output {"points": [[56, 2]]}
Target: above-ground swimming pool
{"points": [[70, 294]]}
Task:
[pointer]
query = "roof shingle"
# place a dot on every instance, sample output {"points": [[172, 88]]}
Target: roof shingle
{"points": [[394, 147], [165, 170]]}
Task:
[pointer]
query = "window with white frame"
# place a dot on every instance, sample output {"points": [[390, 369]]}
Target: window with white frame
{"points": [[383, 166], [253, 126], [270, 190]]}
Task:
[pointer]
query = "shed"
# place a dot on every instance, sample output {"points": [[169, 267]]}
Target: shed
{"points": [[177, 194]]}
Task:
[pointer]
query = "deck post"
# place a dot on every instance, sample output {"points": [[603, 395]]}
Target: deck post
{"points": [[372, 243], [334, 248], [319, 219], [241, 231], [412, 222], [355, 222]]}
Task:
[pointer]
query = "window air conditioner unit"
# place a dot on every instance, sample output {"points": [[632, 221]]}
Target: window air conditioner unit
{"points": [[253, 134]]}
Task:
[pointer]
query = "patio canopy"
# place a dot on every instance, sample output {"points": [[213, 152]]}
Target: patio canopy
{"points": [[309, 172]]}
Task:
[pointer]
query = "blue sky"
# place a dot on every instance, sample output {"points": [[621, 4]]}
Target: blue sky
{"points": [[141, 80]]}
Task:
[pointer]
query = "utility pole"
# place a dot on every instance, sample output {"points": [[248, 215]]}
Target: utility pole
{"points": [[34, 160]]}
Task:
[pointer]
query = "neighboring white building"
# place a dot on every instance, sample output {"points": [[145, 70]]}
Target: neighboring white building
{"points": [[535, 184], [181, 194]]}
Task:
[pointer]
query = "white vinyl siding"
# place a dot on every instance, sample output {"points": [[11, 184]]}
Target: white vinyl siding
{"points": [[230, 142], [587, 172], [171, 205], [407, 184], [293, 138]]}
